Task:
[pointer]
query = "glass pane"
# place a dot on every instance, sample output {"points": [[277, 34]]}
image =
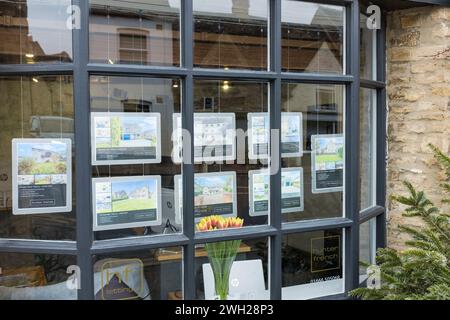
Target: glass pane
{"points": [[223, 169], [36, 277], [319, 168], [133, 170], [312, 265], [367, 246], [141, 275], [34, 31], [248, 271], [135, 32], [231, 34], [367, 50], [312, 37], [368, 147], [36, 196]]}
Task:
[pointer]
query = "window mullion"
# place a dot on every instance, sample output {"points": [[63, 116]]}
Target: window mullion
{"points": [[352, 134], [187, 116], [82, 156], [275, 264]]}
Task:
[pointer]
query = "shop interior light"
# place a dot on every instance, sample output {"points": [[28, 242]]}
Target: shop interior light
{"points": [[226, 85]]}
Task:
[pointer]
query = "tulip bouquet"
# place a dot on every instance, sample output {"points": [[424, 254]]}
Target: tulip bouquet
{"points": [[221, 255]]}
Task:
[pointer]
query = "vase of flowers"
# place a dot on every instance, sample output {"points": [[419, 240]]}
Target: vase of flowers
{"points": [[222, 254]]}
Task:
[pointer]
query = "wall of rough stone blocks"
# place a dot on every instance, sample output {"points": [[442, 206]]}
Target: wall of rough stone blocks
{"points": [[418, 42]]}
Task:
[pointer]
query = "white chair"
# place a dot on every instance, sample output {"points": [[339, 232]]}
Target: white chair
{"points": [[246, 281]]}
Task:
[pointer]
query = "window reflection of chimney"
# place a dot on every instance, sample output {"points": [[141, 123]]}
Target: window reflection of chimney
{"points": [[241, 7]]}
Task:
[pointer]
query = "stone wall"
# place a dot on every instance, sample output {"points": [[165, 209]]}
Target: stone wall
{"points": [[418, 68]]}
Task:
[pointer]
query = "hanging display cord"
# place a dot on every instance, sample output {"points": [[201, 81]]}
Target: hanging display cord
{"points": [[109, 111], [141, 104], [108, 34], [60, 108], [21, 105]]}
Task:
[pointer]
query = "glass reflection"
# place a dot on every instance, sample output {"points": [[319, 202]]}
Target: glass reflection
{"points": [[35, 277], [141, 275], [34, 31], [312, 265], [135, 32], [138, 98], [312, 37], [368, 147], [231, 34], [34, 107], [322, 113]]}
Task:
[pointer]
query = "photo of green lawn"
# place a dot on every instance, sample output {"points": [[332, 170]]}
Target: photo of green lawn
{"points": [[133, 204], [129, 196], [42, 158], [329, 152], [323, 158]]}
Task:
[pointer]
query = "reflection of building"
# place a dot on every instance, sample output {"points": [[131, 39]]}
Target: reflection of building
{"points": [[141, 193], [130, 132], [42, 155], [330, 148], [21, 34], [210, 191], [137, 36]]}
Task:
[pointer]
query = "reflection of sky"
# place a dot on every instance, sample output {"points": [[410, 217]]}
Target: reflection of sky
{"points": [[213, 6], [211, 181], [49, 15], [129, 186], [143, 124], [323, 142], [290, 176], [296, 12], [25, 149]]}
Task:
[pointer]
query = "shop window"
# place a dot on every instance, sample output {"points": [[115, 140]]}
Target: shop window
{"points": [[26, 276], [134, 173], [318, 163], [368, 147], [312, 265], [37, 184], [312, 37], [230, 179], [135, 32], [248, 274], [368, 55], [34, 32], [139, 275], [367, 247], [231, 34]]}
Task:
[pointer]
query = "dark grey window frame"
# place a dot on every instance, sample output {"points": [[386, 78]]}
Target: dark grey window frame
{"points": [[81, 69]]}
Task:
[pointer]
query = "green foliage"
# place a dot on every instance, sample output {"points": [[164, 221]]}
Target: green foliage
{"points": [[422, 271], [26, 165], [445, 162]]}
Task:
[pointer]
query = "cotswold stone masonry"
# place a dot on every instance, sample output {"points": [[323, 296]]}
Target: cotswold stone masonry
{"points": [[418, 51]]}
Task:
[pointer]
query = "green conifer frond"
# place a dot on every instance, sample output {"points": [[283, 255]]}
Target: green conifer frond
{"points": [[422, 271]]}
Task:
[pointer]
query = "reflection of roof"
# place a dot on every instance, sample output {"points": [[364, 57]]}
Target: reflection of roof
{"points": [[293, 11]]}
